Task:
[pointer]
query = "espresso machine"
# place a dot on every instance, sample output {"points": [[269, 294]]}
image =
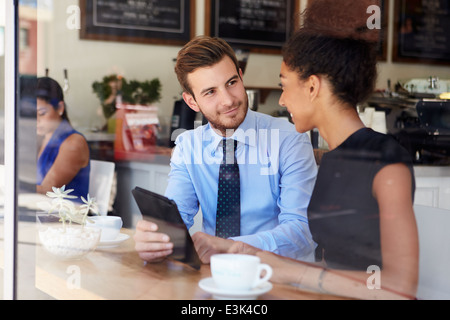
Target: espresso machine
{"points": [[418, 116], [183, 117]]}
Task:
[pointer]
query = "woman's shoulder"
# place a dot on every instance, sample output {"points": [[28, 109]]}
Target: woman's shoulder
{"points": [[387, 147], [75, 149], [75, 141]]}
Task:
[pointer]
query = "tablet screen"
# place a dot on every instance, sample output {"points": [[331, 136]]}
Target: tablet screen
{"points": [[164, 212]]}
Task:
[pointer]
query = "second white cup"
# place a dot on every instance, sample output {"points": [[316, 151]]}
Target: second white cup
{"points": [[110, 226], [238, 272]]}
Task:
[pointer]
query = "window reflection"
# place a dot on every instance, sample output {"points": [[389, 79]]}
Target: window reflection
{"points": [[49, 45]]}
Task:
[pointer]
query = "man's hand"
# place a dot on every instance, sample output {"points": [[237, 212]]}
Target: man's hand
{"points": [[151, 245], [244, 248], [207, 245]]}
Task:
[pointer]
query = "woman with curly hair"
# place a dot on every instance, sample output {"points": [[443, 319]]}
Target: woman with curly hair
{"points": [[361, 210]]}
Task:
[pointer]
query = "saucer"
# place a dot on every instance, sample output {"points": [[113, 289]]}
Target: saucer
{"points": [[209, 286], [113, 243]]}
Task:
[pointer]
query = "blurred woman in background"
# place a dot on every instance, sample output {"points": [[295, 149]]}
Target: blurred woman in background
{"points": [[63, 156]]}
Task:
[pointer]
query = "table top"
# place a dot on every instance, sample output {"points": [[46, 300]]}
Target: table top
{"points": [[119, 273]]}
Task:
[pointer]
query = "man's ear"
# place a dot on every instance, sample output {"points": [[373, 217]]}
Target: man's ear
{"points": [[190, 101]]}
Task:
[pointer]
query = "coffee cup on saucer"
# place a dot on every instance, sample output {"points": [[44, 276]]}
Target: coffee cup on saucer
{"points": [[239, 272], [110, 226]]}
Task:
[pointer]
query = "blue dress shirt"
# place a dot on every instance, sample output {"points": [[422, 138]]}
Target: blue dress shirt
{"points": [[277, 171]]}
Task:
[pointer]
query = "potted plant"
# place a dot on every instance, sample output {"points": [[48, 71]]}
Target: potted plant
{"points": [[136, 121], [131, 92], [62, 230]]}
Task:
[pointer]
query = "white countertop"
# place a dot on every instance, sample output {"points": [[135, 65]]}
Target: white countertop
{"points": [[99, 136]]}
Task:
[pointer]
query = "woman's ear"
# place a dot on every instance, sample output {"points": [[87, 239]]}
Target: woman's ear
{"points": [[61, 108], [315, 84], [190, 101]]}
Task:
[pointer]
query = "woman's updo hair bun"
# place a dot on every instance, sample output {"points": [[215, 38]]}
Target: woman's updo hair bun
{"points": [[341, 19], [336, 42]]}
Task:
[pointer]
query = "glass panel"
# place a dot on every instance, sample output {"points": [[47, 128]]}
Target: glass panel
{"points": [[51, 45], [129, 143], [2, 133], [26, 146]]}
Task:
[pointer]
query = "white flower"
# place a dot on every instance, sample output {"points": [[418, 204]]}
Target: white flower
{"points": [[59, 193], [66, 209], [90, 204]]}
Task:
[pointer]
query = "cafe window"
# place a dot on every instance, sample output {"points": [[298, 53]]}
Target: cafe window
{"points": [[94, 50], [2, 131]]}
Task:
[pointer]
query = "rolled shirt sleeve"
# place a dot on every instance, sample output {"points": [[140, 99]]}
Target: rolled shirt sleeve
{"points": [[291, 237]]}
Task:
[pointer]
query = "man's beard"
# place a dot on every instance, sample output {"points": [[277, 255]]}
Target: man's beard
{"points": [[220, 126]]}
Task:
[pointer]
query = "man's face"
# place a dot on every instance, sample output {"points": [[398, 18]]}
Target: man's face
{"points": [[219, 94]]}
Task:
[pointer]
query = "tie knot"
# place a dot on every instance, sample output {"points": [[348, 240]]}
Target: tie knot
{"points": [[229, 147]]}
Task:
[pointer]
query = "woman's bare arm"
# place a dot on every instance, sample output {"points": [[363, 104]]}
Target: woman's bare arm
{"points": [[73, 155]]}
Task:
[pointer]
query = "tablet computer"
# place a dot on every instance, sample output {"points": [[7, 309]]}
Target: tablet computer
{"points": [[164, 212]]}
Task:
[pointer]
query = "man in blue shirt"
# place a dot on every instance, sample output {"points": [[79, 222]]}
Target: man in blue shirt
{"points": [[276, 164]]}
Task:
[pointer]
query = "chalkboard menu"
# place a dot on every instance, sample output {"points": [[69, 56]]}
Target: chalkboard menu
{"points": [[422, 31], [262, 26], [144, 21]]}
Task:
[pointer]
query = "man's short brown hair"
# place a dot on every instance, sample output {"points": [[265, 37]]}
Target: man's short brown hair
{"points": [[200, 52]]}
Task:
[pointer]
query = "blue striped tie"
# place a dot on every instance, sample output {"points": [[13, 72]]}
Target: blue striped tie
{"points": [[228, 218]]}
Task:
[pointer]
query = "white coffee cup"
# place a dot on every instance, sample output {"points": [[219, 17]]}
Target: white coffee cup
{"points": [[110, 226], [238, 272]]}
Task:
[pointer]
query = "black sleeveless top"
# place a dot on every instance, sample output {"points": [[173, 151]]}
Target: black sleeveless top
{"points": [[343, 214]]}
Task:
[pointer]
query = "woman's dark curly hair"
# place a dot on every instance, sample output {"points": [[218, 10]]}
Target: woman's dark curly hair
{"points": [[344, 53]]}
